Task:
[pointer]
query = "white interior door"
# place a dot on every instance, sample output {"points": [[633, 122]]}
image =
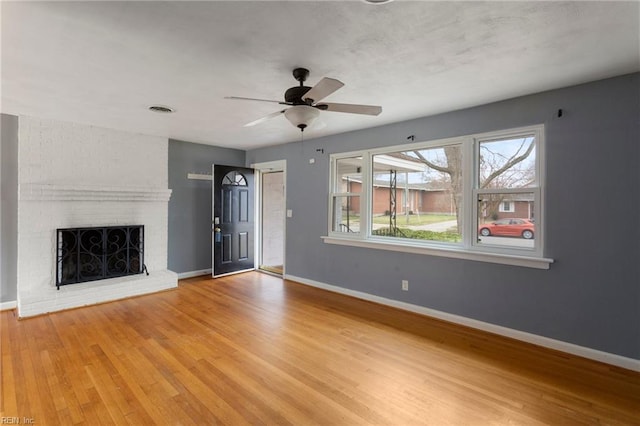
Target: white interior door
{"points": [[271, 216]]}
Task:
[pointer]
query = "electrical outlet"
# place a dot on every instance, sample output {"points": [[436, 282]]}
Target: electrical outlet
{"points": [[405, 285]]}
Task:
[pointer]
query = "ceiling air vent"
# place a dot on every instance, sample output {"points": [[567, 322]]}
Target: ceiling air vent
{"points": [[161, 109]]}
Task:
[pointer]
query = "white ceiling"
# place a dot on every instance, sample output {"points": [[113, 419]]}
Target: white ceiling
{"points": [[104, 63]]}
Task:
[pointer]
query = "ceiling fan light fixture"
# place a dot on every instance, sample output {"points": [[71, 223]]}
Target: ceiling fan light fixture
{"points": [[301, 116]]}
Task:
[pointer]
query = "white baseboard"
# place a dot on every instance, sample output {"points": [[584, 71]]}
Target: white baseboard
{"points": [[191, 274], [8, 305], [570, 348]]}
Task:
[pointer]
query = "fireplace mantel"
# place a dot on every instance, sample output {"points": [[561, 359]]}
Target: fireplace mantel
{"points": [[53, 192]]}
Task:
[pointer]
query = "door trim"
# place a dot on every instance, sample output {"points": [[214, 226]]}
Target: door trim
{"points": [[260, 169]]}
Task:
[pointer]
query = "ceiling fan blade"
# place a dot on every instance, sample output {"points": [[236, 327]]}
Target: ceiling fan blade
{"points": [[265, 118], [324, 88], [239, 98], [351, 108]]}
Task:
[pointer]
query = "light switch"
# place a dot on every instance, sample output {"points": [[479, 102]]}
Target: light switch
{"points": [[289, 213], [312, 160]]}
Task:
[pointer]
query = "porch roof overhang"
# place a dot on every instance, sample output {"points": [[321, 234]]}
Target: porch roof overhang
{"points": [[351, 167]]}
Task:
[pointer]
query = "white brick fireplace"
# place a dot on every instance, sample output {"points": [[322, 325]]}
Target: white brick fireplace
{"points": [[73, 176]]}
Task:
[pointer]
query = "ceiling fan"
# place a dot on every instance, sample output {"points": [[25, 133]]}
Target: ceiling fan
{"points": [[305, 102]]}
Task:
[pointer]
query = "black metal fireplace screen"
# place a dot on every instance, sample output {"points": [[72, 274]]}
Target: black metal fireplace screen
{"points": [[89, 254]]}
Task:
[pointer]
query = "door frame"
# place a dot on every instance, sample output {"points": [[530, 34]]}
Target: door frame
{"points": [[260, 169]]}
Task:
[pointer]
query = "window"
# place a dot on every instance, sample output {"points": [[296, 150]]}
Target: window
{"points": [[347, 187], [234, 178], [507, 186], [477, 196], [429, 174], [505, 207]]}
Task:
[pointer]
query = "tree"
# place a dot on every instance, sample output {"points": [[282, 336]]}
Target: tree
{"points": [[501, 166]]}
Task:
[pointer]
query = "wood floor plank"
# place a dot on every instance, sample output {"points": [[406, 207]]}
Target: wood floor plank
{"points": [[256, 349], [8, 401]]}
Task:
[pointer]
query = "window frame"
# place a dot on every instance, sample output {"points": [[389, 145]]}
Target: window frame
{"points": [[469, 247], [440, 143], [335, 192], [536, 189]]}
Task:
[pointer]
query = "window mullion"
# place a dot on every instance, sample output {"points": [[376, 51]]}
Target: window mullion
{"points": [[332, 187], [468, 194], [365, 199]]}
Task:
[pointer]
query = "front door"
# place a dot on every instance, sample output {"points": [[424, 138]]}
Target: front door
{"points": [[233, 220]]}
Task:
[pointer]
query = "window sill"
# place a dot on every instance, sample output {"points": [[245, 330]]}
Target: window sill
{"points": [[504, 259]]}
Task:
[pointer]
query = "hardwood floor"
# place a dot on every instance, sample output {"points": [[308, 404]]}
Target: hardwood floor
{"points": [[255, 349], [274, 269]]}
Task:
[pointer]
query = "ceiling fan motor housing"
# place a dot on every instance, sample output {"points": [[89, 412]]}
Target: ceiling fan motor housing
{"points": [[294, 95]]}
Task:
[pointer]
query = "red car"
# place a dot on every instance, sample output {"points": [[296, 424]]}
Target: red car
{"points": [[512, 227]]}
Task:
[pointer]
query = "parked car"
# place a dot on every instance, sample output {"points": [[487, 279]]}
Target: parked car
{"points": [[512, 227]]}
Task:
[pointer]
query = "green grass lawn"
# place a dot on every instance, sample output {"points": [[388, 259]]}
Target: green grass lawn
{"points": [[414, 219], [447, 236]]}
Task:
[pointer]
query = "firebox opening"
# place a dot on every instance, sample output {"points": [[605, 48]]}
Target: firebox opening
{"points": [[97, 253]]}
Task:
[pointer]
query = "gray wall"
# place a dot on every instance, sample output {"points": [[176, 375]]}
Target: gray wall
{"points": [[589, 297], [9, 216], [190, 204]]}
